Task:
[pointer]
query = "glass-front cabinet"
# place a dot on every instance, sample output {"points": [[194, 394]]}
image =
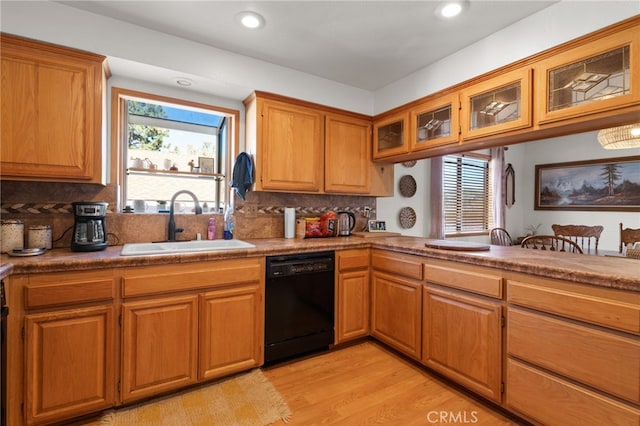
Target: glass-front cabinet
{"points": [[390, 135], [497, 105], [435, 123], [595, 77]]}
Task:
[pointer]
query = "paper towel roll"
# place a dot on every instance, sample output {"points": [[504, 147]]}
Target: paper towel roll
{"points": [[289, 222]]}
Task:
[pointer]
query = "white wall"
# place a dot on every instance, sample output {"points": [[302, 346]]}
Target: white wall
{"points": [[228, 74], [550, 27], [578, 147]]}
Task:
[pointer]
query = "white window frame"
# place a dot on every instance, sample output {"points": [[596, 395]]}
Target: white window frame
{"points": [[119, 147]]}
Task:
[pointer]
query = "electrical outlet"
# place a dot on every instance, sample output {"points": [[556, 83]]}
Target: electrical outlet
{"points": [[251, 210], [367, 212]]}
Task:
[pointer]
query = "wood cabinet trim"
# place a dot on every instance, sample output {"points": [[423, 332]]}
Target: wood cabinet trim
{"points": [[548, 399], [67, 288], [173, 278], [464, 277], [579, 305], [352, 259], [605, 361], [404, 265]]}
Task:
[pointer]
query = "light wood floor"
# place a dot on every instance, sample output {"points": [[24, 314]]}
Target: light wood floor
{"points": [[368, 384]]}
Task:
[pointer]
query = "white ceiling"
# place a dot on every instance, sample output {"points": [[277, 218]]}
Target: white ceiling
{"points": [[364, 44]]}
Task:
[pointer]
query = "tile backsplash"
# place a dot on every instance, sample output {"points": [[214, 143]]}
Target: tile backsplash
{"points": [[261, 215]]}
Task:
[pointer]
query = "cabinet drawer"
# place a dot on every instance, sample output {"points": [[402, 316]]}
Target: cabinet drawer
{"points": [[352, 259], [396, 263], [596, 306], [465, 277], [553, 401], [68, 288], [606, 361], [171, 278]]}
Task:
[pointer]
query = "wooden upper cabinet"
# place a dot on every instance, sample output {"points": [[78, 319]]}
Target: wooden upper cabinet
{"points": [[288, 147], [435, 123], [497, 105], [299, 146], [347, 154], [51, 112], [594, 77], [391, 135]]}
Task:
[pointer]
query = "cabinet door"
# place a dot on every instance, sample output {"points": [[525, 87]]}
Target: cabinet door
{"points": [[599, 76], [347, 155], [462, 339], [391, 135], [497, 105], [435, 123], [396, 312], [69, 363], [51, 113], [159, 345], [353, 305], [231, 330], [292, 142]]}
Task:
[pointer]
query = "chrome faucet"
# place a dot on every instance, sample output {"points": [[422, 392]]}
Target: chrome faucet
{"points": [[172, 223]]}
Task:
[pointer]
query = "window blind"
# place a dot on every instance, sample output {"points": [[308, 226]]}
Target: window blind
{"points": [[466, 193]]}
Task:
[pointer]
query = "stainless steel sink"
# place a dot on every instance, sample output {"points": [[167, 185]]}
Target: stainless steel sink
{"points": [[134, 249]]}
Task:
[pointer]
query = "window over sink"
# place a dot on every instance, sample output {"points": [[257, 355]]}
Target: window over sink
{"points": [[167, 145]]}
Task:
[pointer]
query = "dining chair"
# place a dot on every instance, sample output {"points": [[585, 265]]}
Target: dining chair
{"points": [[628, 236], [500, 237], [551, 243], [583, 235]]}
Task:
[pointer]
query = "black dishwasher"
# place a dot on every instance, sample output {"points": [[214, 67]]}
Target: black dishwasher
{"points": [[299, 305]]}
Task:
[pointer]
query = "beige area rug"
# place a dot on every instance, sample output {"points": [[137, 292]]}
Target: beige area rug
{"points": [[247, 399]]}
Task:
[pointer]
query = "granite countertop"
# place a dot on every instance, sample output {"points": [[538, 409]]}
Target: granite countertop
{"points": [[614, 272]]}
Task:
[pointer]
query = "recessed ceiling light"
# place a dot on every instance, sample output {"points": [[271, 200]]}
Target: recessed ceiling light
{"points": [[449, 9], [250, 19], [183, 81]]}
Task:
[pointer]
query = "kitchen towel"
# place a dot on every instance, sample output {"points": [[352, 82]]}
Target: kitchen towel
{"points": [[289, 222], [242, 178]]}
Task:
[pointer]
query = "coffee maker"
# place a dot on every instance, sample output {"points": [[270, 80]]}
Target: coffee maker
{"points": [[89, 229]]}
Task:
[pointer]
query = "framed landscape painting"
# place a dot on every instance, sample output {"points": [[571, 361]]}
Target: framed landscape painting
{"points": [[611, 184]]}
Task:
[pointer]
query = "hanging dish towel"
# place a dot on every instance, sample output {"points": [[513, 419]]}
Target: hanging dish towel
{"points": [[242, 178]]}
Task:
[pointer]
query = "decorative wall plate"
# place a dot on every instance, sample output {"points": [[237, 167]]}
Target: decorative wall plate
{"points": [[409, 163], [407, 186], [407, 217]]}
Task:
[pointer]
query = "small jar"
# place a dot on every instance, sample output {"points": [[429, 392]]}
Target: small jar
{"points": [[39, 236], [12, 235]]}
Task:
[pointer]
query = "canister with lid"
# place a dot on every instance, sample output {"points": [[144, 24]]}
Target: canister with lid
{"points": [[12, 235], [39, 236]]}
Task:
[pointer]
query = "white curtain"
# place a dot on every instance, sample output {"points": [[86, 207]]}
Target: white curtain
{"points": [[496, 171], [437, 206]]}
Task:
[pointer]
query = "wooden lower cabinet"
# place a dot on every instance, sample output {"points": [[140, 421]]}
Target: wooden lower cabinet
{"points": [[352, 294], [396, 300], [573, 352], [159, 345], [69, 363], [462, 339], [553, 401], [212, 325], [396, 312], [231, 330]]}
